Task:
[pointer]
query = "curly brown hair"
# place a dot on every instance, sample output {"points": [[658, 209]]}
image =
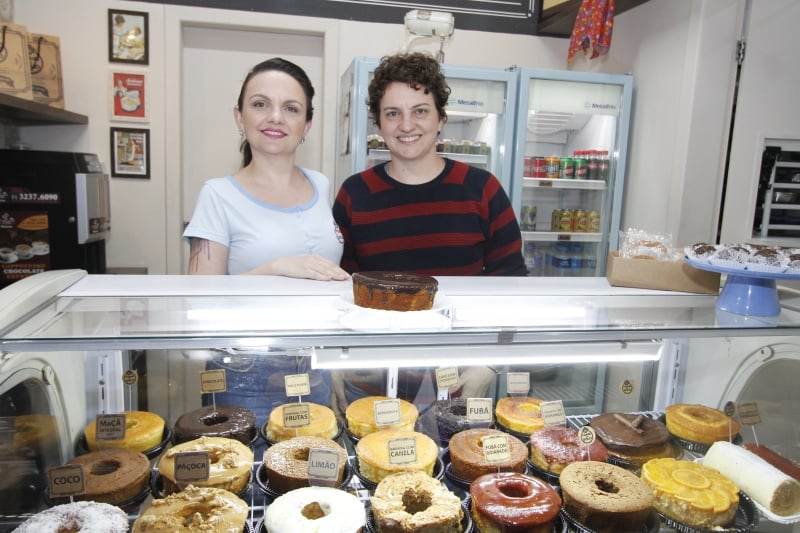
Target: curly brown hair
{"points": [[416, 69]]}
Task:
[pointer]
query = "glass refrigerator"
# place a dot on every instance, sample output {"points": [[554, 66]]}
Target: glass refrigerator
{"points": [[479, 128], [569, 168]]}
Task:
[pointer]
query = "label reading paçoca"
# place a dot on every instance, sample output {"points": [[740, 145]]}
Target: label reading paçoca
{"points": [[191, 466]]}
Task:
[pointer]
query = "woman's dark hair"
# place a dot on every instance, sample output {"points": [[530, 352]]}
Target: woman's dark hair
{"points": [[416, 69], [281, 65]]}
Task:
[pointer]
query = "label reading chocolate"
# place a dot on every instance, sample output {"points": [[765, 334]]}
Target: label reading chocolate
{"points": [[553, 413], [495, 448], [587, 435], [446, 377], [402, 450], [191, 466], [213, 381], [323, 467], [130, 377], [748, 414], [110, 427], [479, 409], [518, 382], [387, 412], [297, 385], [296, 415], [65, 481]]}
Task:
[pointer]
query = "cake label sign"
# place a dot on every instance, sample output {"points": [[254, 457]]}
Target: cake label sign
{"points": [[518, 382], [479, 409], [553, 413], [323, 467], [446, 377], [387, 412], [191, 466], [402, 450], [297, 385], [65, 481], [213, 381], [296, 415], [110, 427], [495, 448], [748, 414]]}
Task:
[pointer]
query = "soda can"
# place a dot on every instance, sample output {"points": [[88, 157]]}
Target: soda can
{"points": [[581, 168], [555, 219], [581, 221], [566, 220], [527, 167], [551, 167], [594, 221], [539, 167], [566, 168], [528, 218]]}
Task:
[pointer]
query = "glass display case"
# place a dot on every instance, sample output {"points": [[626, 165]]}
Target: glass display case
{"points": [[77, 345]]}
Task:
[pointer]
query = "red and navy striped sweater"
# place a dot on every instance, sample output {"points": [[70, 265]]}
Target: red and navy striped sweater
{"points": [[459, 224]]}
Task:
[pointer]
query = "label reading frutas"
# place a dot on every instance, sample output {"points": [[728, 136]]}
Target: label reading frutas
{"points": [[626, 387], [748, 414], [553, 413], [402, 450], [495, 448], [296, 415], [110, 427], [587, 435], [518, 382], [479, 409], [387, 412], [191, 466], [65, 481], [323, 467], [213, 381], [297, 385], [446, 377], [130, 377]]}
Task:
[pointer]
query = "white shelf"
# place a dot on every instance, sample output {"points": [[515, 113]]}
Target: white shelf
{"points": [[560, 236], [593, 185]]}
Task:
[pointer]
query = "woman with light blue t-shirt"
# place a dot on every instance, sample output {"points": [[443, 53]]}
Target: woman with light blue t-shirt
{"points": [[270, 217]]}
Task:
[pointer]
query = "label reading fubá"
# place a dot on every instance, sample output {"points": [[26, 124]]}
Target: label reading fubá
{"points": [[110, 427], [323, 467], [296, 415], [553, 413], [479, 409], [446, 377], [297, 385], [518, 382], [212, 381], [402, 450], [65, 481], [495, 448], [191, 466], [387, 412]]}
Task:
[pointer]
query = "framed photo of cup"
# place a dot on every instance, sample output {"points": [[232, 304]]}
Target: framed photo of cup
{"points": [[130, 153], [128, 37], [128, 96]]}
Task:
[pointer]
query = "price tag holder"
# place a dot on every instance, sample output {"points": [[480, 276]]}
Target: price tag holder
{"points": [[191, 466], [213, 381], [402, 450], [553, 413], [479, 409], [297, 385], [446, 378], [110, 427], [296, 415], [518, 382], [387, 412], [65, 481], [323, 467], [495, 448], [748, 414]]}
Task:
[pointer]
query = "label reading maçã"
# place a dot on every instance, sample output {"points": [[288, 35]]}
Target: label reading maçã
{"points": [[495, 448], [296, 415], [323, 467], [402, 450], [297, 385], [110, 427], [518, 382], [213, 381], [387, 412], [479, 409], [65, 481], [191, 466]]}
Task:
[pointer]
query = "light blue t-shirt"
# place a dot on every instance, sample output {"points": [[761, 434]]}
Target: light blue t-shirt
{"points": [[256, 232]]}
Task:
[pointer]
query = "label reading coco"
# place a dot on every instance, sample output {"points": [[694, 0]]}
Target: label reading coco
{"points": [[495, 448], [387, 412], [323, 467], [297, 385], [748, 414], [402, 450], [213, 381], [191, 466], [553, 413], [65, 481], [446, 377], [479, 409], [296, 415], [110, 427], [518, 382]]}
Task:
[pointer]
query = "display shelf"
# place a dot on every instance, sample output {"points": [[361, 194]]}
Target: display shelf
{"points": [[29, 113], [560, 236], [576, 184], [378, 156]]}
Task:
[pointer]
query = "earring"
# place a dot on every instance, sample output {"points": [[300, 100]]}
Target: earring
{"points": [[241, 133], [302, 140]]}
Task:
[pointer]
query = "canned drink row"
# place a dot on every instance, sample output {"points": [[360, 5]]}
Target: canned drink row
{"points": [[586, 164], [575, 220]]}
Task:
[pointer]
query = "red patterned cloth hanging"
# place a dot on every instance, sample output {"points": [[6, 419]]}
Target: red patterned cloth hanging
{"points": [[593, 27]]}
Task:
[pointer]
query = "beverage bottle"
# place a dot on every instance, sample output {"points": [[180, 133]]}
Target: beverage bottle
{"points": [[575, 259], [593, 165], [589, 262], [559, 260], [604, 165]]}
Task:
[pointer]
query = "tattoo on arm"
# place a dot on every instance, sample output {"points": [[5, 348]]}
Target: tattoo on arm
{"points": [[197, 249]]}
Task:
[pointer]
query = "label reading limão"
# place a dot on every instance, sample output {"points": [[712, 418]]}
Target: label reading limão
{"points": [[323, 467]]}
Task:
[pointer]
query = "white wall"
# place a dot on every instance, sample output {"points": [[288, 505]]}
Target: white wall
{"points": [[680, 53]]}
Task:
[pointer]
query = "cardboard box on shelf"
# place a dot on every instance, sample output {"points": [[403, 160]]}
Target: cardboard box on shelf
{"points": [[15, 69], [660, 275], [46, 77]]}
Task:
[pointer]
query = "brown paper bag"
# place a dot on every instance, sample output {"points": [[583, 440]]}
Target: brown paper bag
{"points": [[46, 77], [15, 69]]}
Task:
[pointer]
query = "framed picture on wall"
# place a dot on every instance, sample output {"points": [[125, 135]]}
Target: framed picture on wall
{"points": [[128, 96], [130, 153], [128, 37]]}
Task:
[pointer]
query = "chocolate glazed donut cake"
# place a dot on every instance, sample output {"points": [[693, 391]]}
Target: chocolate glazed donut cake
{"points": [[394, 291]]}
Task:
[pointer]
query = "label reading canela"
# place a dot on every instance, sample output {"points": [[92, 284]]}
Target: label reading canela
{"points": [[297, 385], [110, 427], [402, 450], [323, 467], [191, 466], [296, 415], [748, 414], [65, 481], [446, 377], [479, 409], [553, 413], [387, 412], [518, 382], [212, 381], [495, 448]]}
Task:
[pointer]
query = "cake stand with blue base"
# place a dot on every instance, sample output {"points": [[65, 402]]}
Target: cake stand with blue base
{"points": [[747, 292]]}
